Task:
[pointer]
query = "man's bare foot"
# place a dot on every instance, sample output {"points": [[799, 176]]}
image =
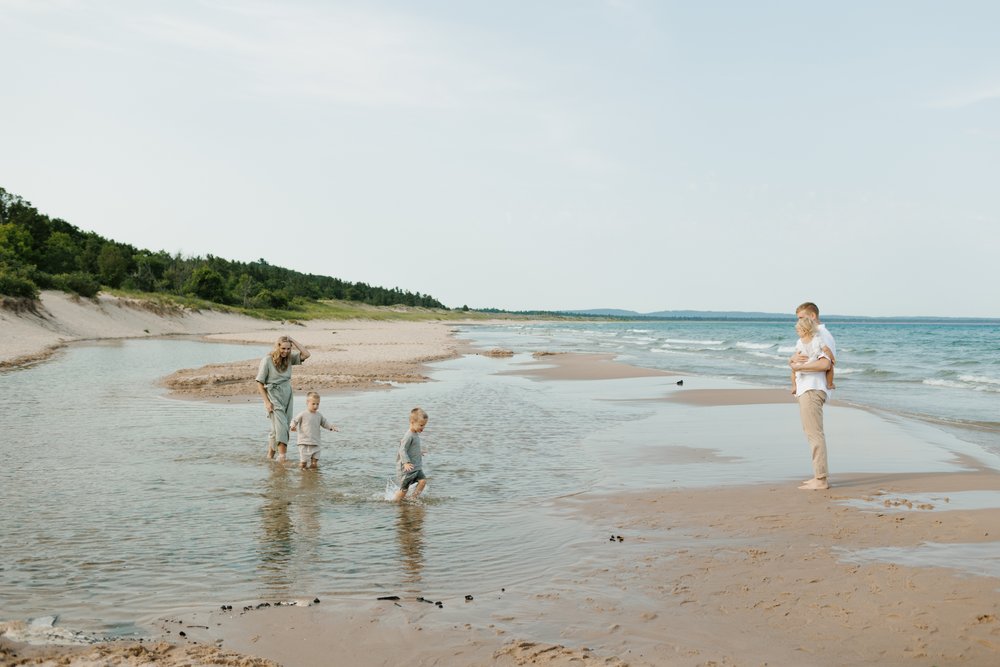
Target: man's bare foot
{"points": [[815, 485]]}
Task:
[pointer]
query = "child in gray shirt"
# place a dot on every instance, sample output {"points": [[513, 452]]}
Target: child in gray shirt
{"points": [[409, 457], [307, 424]]}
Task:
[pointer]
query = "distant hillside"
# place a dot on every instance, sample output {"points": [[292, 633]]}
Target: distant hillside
{"points": [[38, 252]]}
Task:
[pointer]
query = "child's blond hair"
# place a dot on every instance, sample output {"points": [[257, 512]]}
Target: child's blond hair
{"points": [[417, 415], [312, 394], [808, 327]]}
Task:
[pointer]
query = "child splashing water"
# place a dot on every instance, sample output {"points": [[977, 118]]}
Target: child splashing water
{"points": [[409, 458]]}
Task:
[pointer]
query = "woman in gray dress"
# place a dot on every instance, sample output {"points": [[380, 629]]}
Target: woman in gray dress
{"points": [[274, 381]]}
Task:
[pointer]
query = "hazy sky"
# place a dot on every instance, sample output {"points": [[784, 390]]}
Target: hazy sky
{"points": [[530, 155]]}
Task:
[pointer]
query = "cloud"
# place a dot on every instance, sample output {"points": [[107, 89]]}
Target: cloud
{"points": [[968, 98], [370, 58]]}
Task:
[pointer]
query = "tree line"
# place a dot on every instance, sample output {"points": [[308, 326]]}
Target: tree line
{"points": [[38, 252]]}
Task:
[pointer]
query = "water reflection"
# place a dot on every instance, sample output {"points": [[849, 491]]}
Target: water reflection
{"points": [[307, 513], [410, 534], [276, 535], [247, 530]]}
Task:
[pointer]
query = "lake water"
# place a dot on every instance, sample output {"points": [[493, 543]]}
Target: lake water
{"points": [[122, 505], [948, 373]]}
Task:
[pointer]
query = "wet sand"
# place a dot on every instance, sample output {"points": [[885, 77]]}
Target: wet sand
{"points": [[563, 366], [743, 569]]}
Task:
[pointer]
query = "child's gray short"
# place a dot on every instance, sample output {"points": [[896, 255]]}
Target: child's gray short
{"points": [[408, 479], [308, 452]]}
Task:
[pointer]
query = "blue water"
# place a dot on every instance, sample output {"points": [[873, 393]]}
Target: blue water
{"points": [[948, 373]]}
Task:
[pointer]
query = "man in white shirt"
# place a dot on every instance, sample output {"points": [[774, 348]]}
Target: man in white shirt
{"points": [[812, 392]]}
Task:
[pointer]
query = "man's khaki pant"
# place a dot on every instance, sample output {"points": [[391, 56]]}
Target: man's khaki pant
{"points": [[811, 411]]}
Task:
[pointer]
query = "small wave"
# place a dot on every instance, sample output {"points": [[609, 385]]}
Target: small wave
{"points": [[964, 382], [766, 355], [754, 346], [979, 379], [951, 384], [687, 341], [690, 350], [676, 351], [786, 350]]}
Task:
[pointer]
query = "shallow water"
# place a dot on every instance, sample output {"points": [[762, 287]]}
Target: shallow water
{"points": [[978, 559], [929, 502], [123, 505], [944, 372]]}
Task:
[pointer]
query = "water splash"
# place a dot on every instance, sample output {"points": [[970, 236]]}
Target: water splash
{"points": [[391, 488]]}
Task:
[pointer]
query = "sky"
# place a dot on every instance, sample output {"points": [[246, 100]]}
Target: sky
{"points": [[548, 154]]}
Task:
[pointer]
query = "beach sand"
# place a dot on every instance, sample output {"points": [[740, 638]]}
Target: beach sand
{"points": [[346, 354], [746, 571]]}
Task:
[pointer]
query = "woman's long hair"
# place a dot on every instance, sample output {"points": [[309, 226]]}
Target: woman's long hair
{"points": [[281, 363]]}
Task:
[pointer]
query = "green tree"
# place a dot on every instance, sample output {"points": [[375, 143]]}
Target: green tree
{"points": [[77, 282], [15, 242], [59, 253], [15, 282], [245, 288], [206, 283], [112, 265]]}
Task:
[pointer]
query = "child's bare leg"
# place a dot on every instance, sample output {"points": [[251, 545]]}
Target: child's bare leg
{"points": [[420, 487], [399, 495], [302, 465], [314, 464]]}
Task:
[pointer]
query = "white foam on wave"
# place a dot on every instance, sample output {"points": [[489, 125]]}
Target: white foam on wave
{"points": [[971, 382], [754, 346], [765, 355], [979, 379], [951, 384], [688, 341]]}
